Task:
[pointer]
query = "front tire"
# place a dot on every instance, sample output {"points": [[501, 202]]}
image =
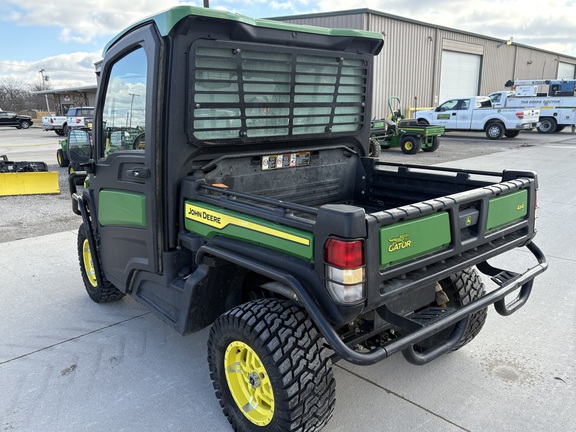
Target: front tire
{"points": [[547, 125], [98, 293], [25, 124], [270, 368], [62, 159]]}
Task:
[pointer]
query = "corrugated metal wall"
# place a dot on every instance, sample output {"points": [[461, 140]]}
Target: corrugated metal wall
{"points": [[406, 67], [410, 62]]}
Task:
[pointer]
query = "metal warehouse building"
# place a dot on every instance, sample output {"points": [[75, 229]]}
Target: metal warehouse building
{"points": [[425, 64]]}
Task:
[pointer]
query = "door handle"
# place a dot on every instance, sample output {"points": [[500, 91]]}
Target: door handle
{"points": [[453, 113], [138, 173]]}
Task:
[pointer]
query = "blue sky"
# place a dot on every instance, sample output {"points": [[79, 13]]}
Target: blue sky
{"points": [[66, 37]]}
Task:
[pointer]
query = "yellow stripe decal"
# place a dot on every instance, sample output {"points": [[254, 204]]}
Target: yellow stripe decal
{"points": [[220, 221]]}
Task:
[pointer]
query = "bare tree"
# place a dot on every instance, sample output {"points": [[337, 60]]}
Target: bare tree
{"points": [[15, 95]]}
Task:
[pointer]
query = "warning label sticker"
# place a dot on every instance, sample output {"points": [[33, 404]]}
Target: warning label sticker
{"points": [[287, 160]]}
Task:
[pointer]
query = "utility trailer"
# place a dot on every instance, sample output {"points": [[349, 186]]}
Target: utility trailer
{"points": [[407, 134], [397, 131]]}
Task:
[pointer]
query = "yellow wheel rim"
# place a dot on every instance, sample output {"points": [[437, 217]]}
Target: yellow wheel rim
{"points": [[249, 383], [88, 264], [408, 145]]}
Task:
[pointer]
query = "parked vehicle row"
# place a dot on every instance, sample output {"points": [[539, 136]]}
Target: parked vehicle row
{"points": [[557, 104], [477, 113], [78, 117], [8, 118]]}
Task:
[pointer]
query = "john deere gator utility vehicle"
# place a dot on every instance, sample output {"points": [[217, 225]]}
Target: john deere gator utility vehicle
{"points": [[247, 203]]}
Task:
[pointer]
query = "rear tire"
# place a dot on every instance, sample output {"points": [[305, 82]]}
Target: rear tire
{"points": [[98, 293], [461, 288], [410, 145], [434, 146], [495, 130], [270, 368]]}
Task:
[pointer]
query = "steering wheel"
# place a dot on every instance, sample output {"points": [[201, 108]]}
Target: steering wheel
{"points": [[139, 143]]}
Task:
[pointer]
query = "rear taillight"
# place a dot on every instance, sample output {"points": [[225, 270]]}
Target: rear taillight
{"points": [[344, 270], [78, 120], [520, 115]]}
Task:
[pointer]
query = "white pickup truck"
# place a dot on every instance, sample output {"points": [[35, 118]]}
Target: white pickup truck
{"points": [[76, 117], [79, 117], [54, 123], [477, 114]]}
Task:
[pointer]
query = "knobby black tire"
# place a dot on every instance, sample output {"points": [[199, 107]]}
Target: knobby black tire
{"points": [[98, 293], [295, 358], [61, 158], [410, 145], [375, 148], [461, 289]]}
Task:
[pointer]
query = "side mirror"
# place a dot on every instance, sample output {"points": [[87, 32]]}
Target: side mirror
{"points": [[79, 146], [438, 109]]}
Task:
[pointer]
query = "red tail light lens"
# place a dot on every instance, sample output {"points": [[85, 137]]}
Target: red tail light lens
{"points": [[520, 115], [344, 254]]}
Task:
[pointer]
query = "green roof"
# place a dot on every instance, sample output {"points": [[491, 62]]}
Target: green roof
{"points": [[167, 19]]}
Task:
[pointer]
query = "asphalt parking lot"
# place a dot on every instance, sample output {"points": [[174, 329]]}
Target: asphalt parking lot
{"points": [[68, 364]]}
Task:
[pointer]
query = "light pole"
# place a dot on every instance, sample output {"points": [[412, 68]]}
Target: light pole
{"points": [[131, 105], [44, 79]]}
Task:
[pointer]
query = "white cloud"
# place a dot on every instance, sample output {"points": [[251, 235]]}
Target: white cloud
{"points": [[83, 21], [66, 70], [93, 22]]}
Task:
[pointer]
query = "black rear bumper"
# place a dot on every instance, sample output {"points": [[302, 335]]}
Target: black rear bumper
{"points": [[508, 283]]}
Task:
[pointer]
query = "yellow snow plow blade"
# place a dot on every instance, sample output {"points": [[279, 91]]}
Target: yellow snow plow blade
{"points": [[29, 183]]}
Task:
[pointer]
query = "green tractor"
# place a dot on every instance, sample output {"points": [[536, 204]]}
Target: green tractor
{"points": [[405, 133]]}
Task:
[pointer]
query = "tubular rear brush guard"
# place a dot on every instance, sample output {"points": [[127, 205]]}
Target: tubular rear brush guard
{"points": [[508, 282]]}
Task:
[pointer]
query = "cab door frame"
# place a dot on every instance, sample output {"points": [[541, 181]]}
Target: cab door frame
{"points": [[123, 186]]}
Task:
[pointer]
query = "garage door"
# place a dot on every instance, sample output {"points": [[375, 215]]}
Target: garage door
{"points": [[566, 71], [459, 75]]}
